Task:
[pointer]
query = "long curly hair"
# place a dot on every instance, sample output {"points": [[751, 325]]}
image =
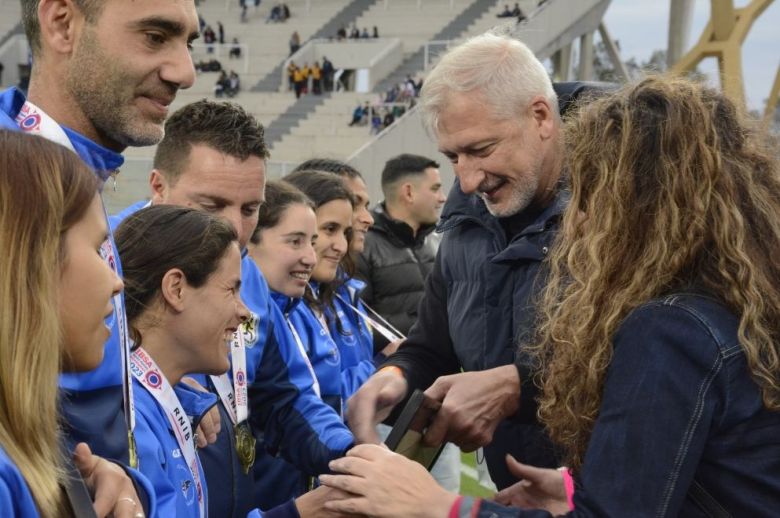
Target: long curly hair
{"points": [[671, 189]]}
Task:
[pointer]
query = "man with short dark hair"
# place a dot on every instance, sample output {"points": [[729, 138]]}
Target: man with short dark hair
{"points": [[401, 246], [213, 159]]}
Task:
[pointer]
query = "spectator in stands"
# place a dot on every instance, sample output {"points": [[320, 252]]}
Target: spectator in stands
{"points": [[285, 13], [291, 66], [519, 14], [376, 122], [298, 82], [355, 33], [365, 34], [295, 42], [418, 87], [221, 33], [316, 78], [327, 73], [357, 115], [341, 34], [233, 85], [389, 119], [235, 49], [305, 73], [209, 38], [221, 84], [276, 14], [506, 13], [376, 32], [242, 4]]}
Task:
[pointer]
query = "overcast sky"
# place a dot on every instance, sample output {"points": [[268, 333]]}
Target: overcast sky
{"points": [[641, 26]]}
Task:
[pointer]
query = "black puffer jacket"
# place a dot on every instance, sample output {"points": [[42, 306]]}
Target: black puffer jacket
{"points": [[394, 266]]}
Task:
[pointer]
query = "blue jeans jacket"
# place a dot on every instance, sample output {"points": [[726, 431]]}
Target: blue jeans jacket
{"points": [[679, 406]]}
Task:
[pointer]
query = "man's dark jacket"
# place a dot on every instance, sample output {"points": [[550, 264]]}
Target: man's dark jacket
{"points": [[477, 308], [394, 266]]}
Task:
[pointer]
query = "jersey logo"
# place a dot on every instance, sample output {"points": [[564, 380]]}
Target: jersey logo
{"points": [[251, 330]]}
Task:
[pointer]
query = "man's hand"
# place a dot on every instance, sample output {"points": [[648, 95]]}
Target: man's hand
{"points": [[210, 424], [472, 405], [384, 484], [112, 490], [540, 488], [372, 403]]}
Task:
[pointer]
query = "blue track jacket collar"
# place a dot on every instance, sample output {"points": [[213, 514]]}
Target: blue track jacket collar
{"points": [[102, 160]]}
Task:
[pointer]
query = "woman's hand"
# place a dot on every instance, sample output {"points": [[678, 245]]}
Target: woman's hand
{"points": [[385, 484], [540, 488], [113, 492]]}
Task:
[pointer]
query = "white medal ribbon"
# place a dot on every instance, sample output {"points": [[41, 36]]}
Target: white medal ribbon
{"points": [[109, 255], [151, 377], [35, 121], [384, 328], [234, 395], [302, 350]]}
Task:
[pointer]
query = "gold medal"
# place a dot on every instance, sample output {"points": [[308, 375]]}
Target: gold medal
{"points": [[132, 452], [245, 446]]}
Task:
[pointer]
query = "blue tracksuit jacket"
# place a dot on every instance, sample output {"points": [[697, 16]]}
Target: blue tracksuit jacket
{"points": [[16, 500], [159, 456], [355, 342], [92, 401], [285, 413]]}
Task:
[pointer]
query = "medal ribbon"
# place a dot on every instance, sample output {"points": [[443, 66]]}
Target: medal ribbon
{"points": [[383, 328], [234, 395], [302, 350], [35, 121], [151, 377]]}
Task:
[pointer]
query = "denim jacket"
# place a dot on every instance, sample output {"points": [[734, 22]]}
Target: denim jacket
{"points": [[679, 406]]}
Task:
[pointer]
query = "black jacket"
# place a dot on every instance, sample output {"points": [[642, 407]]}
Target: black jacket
{"points": [[477, 307], [394, 266]]}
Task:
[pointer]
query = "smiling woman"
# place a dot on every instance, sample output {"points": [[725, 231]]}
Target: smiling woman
{"points": [[182, 273], [283, 243], [334, 206]]}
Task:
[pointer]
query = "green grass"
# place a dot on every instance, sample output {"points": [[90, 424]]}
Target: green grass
{"points": [[469, 486]]}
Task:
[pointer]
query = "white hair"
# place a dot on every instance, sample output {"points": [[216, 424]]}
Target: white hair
{"points": [[502, 69]]}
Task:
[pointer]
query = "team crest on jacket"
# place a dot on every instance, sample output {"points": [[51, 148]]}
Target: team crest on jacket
{"points": [[251, 330], [187, 485]]}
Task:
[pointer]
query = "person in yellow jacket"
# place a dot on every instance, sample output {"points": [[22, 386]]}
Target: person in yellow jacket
{"points": [[316, 78]]}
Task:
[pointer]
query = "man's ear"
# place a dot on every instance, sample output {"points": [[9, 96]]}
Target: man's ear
{"points": [[544, 116], [407, 192], [61, 22], [159, 187], [174, 289]]}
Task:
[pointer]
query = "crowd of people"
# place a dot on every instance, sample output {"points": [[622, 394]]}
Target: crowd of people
{"points": [[598, 306], [312, 79], [390, 106], [356, 34]]}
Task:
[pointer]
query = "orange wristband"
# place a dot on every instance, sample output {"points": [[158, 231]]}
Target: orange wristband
{"points": [[392, 369]]}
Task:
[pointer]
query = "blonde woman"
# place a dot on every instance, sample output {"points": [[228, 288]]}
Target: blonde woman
{"points": [[55, 292], [659, 344]]}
